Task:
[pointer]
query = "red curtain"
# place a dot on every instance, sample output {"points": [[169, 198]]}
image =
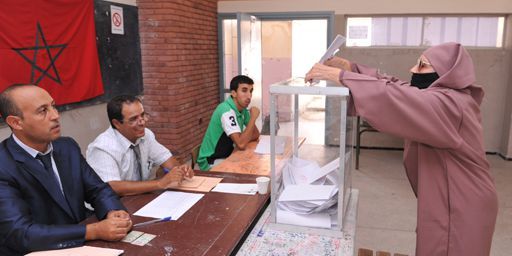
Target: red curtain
{"points": [[50, 43]]}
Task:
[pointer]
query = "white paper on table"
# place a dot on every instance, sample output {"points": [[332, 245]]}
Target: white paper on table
{"points": [[263, 146], [79, 251], [236, 188], [320, 220], [306, 192], [169, 203], [333, 48]]}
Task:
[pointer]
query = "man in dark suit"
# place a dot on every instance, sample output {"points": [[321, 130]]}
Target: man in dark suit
{"points": [[44, 181]]}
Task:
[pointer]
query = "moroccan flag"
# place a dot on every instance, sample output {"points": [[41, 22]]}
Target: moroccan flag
{"points": [[52, 44]]}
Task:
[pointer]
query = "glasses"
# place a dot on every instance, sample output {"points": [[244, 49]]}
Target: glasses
{"points": [[137, 119], [423, 63]]}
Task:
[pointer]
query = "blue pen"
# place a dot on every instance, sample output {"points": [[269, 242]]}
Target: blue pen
{"points": [[152, 221]]}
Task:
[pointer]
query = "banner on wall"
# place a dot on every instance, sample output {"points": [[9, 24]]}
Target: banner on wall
{"points": [[51, 44]]}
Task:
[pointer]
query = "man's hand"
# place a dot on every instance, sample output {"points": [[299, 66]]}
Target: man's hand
{"points": [[113, 228], [172, 179], [118, 214], [186, 170], [255, 112]]}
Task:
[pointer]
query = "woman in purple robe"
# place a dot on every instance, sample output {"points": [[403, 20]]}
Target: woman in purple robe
{"points": [[438, 116]]}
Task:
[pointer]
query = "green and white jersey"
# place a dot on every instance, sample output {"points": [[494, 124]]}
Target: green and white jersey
{"points": [[226, 120]]}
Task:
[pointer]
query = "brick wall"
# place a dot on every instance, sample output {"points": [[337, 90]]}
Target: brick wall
{"points": [[180, 69]]}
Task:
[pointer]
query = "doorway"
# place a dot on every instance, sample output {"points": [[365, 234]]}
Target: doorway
{"points": [[288, 46]]}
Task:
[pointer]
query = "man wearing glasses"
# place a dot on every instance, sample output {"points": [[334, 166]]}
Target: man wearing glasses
{"points": [[125, 153]]}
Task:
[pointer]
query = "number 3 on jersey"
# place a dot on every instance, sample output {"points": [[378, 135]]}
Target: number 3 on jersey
{"points": [[233, 121]]}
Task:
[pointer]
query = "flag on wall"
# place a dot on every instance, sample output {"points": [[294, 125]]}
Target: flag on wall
{"points": [[52, 44]]}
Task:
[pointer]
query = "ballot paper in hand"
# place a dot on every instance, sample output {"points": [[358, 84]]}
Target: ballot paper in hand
{"points": [[333, 48]]}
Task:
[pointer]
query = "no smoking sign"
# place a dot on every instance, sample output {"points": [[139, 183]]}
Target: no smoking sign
{"points": [[116, 16]]}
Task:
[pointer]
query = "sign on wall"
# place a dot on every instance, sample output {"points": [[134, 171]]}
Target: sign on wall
{"points": [[116, 15]]}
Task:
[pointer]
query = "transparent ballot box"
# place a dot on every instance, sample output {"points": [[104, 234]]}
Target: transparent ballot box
{"points": [[311, 182]]}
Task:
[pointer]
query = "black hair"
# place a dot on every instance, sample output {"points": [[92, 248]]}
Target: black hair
{"points": [[115, 107], [7, 106], [240, 79]]}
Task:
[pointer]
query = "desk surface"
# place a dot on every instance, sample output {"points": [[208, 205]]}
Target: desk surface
{"points": [[248, 162], [215, 225]]}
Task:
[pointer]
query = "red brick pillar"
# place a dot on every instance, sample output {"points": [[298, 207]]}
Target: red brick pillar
{"points": [[180, 69]]}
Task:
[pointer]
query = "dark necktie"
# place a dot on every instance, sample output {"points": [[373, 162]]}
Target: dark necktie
{"points": [[47, 162], [138, 168]]}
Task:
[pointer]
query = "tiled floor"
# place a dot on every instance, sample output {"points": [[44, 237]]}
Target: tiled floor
{"points": [[387, 207]]}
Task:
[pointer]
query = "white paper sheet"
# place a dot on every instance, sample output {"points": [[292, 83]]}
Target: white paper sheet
{"points": [[169, 203], [333, 48], [236, 188], [320, 220], [263, 146], [306, 192], [79, 251], [301, 169]]}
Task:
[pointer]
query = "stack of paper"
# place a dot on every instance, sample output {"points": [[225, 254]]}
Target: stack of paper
{"points": [[310, 193]]}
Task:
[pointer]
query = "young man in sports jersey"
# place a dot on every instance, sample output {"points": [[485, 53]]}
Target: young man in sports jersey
{"points": [[232, 124]]}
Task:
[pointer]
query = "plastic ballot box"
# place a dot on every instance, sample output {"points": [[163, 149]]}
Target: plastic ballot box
{"points": [[310, 187]]}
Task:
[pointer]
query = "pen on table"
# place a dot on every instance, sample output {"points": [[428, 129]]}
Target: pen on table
{"points": [[152, 221]]}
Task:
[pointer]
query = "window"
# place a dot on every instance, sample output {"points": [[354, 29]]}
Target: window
{"points": [[481, 31]]}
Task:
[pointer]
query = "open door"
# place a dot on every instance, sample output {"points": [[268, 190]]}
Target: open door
{"points": [[249, 59]]}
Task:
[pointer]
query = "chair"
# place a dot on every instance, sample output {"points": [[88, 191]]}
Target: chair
{"points": [[193, 155], [362, 126]]}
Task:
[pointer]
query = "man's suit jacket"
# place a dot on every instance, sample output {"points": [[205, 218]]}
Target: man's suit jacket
{"points": [[34, 215]]}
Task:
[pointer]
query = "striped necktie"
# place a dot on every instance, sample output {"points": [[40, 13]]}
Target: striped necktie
{"points": [[138, 167]]}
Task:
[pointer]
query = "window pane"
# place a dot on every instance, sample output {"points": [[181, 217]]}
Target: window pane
{"points": [[469, 29], [425, 31], [380, 31], [359, 31], [487, 32], [432, 31], [396, 33], [451, 29], [413, 31]]}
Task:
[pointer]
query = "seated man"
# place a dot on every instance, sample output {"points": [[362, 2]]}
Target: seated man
{"points": [[125, 153], [44, 181], [231, 123]]}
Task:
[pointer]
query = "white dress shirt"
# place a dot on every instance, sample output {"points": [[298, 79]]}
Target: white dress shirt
{"points": [[112, 158]]}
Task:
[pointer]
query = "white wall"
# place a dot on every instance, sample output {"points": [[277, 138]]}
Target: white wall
{"points": [[128, 2], [82, 124]]}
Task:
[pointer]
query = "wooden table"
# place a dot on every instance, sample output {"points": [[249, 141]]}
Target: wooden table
{"points": [[216, 225], [248, 162]]}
